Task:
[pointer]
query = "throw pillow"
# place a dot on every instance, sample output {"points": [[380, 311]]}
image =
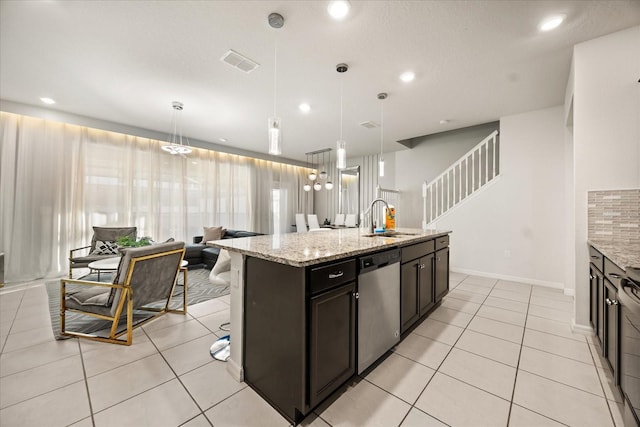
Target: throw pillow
{"points": [[212, 233], [105, 248], [223, 263]]}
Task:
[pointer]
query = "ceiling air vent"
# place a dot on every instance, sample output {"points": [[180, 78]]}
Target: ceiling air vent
{"points": [[239, 61], [369, 124]]}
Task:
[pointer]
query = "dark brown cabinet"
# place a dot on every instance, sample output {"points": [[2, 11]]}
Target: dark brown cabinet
{"points": [[441, 281], [332, 359], [416, 290], [299, 332], [612, 324], [424, 279]]}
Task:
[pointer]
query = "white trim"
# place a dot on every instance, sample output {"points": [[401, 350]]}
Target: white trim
{"points": [[581, 329], [554, 285], [235, 370], [570, 292]]}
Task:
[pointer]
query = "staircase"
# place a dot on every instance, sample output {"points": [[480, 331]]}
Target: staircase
{"points": [[471, 172]]}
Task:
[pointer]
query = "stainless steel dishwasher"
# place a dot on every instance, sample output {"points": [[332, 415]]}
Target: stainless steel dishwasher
{"points": [[378, 306]]}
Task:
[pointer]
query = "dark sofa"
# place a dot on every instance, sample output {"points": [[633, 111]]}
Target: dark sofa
{"points": [[198, 253]]}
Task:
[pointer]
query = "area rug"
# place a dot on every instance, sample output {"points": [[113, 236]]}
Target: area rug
{"points": [[199, 290]]}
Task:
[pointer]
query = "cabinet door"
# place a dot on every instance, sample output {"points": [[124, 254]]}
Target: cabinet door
{"points": [[332, 339], [409, 302], [600, 308], [441, 273], [612, 324], [425, 282], [593, 298]]}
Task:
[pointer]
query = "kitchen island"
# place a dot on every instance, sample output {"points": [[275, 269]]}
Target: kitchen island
{"points": [[294, 306]]}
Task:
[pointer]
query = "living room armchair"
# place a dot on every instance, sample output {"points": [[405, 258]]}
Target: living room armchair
{"points": [[145, 275], [102, 246]]}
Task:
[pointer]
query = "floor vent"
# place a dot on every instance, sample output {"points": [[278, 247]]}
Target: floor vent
{"points": [[239, 61]]}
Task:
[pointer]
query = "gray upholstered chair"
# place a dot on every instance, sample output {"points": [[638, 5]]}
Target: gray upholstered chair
{"points": [[105, 237], [145, 275]]}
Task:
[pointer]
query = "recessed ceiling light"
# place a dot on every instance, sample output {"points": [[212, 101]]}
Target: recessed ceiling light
{"points": [[222, 139], [304, 107], [48, 101], [551, 22], [444, 121], [338, 9], [407, 76]]}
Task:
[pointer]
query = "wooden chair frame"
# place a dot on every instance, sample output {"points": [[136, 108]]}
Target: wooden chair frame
{"points": [[126, 296]]}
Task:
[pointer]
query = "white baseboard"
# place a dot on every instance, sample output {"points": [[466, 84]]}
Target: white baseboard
{"points": [[235, 370], [554, 285], [581, 329]]}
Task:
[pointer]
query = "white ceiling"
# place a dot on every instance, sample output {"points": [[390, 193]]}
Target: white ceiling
{"points": [[126, 61]]}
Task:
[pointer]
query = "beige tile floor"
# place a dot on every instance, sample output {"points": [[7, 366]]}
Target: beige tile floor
{"points": [[495, 353]]}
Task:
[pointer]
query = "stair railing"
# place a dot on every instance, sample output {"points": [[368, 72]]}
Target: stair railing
{"points": [[467, 175]]}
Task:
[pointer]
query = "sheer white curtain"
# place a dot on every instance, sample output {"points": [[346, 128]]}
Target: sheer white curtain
{"points": [[59, 180]]}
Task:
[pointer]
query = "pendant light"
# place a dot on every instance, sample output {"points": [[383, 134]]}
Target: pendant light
{"points": [[381, 96], [307, 186], [323, 174], [274, 123], [341, 145], [313, 175], [176, 146], [329, 185]]}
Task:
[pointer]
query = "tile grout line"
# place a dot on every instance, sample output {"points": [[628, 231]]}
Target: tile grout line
{"points": [[443, 359], [86, 382], [515, 379], [591, 351]]}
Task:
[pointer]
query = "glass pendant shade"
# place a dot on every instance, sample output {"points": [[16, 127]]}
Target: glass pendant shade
{"points": [[341, 149], [307, 187], [323, 175], [313, 176], [328, 185], [381, 167], [317, 186], [275, 136]]}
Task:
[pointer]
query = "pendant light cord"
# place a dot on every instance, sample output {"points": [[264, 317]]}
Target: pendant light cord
{"points": [[275, 77], [381, 127], [341, 94]]}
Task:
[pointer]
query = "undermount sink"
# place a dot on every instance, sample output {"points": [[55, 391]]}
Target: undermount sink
{"points": [[390, 233]]}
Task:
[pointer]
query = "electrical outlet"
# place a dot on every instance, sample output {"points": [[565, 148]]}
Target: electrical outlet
{"points": [[507, 253]]}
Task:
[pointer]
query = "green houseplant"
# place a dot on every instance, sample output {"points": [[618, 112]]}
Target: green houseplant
{"points": [[131, 242]]}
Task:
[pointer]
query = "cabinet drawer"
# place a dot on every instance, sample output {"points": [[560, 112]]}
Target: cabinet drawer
{"points": [[442, 242], [331, 275], [613, 273], [417, 250], [596, 258]]}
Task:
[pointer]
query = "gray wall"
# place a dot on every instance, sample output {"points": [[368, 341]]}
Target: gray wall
{"points": [[430, 156]]}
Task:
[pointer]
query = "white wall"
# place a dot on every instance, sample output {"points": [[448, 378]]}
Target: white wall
{"points": [[523, 211], [606, 134], [430, 156]]}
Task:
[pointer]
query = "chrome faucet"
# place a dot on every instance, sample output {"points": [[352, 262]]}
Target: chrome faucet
{"points": [[368, 211]]}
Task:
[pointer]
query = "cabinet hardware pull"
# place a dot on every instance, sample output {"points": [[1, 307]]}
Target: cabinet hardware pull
{"points": [[591, 277], [595, 257], [336, 274], [422, 266], [356, 295], [615, 276], [611, 302]]}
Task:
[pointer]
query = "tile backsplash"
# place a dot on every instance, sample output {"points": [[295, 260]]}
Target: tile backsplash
{"points": [[614, 215]]}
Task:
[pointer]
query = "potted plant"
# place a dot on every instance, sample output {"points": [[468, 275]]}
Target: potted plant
{"points": [[126, 242]]}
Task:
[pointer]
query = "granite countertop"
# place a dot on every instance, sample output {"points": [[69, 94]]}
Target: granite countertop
{"points": [[304, 249], [622, 254]]}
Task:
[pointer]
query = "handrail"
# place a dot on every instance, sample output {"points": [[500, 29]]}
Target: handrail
{"points": [[459, 180]]}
